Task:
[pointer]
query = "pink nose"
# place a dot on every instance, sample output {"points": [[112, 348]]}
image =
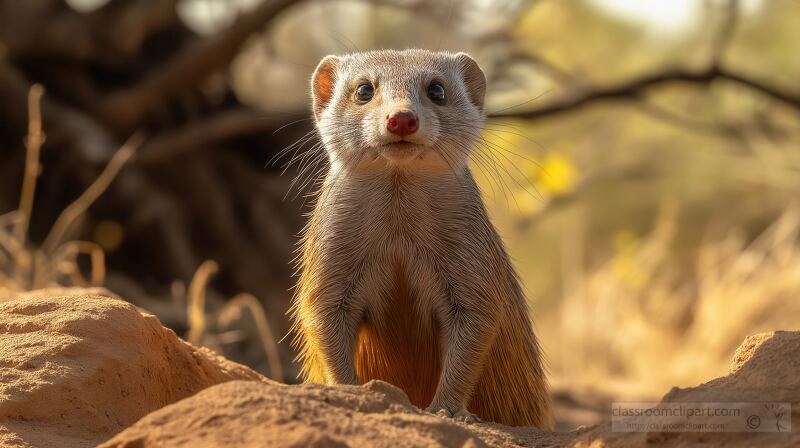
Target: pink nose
{"points": [[402, 123]]}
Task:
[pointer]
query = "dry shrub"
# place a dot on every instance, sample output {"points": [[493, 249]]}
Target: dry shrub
{"points": [[639, 325], [213, 331], [55, 262]]}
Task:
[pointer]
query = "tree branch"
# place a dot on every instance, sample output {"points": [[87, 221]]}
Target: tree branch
{"points": [[50, 29], [634, 88], [126, 108], [204, 133]]}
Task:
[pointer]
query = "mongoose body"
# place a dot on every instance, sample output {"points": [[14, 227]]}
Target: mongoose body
{"points": [[403, 277]]}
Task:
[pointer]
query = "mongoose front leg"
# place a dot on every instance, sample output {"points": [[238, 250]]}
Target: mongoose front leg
{"points": [[468, 342], [337, 341], [335, 327]]}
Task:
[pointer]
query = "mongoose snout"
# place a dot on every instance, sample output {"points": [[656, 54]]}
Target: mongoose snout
{"points": [[402, 123], [403, 276]]}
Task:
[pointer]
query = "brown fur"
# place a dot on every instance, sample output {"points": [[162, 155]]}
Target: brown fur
{"points": [[403, 351], [404, 278]]}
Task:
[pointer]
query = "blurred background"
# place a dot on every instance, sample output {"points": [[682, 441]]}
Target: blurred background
{"points": [[641, 160]]}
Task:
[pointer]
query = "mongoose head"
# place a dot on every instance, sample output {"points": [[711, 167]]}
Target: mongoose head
{"points": [[409, 108]]}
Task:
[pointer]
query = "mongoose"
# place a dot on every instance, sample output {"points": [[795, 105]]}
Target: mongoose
{"points": [[403, 276]]}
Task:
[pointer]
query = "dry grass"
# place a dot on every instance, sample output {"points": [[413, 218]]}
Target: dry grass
{"points": [[639, 325], [215, 332], [232, 311], [55, 263], [24, 267]]}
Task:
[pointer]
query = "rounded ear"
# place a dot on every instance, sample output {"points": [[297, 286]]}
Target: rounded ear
{"points": [[474, 79], [323, 83]]}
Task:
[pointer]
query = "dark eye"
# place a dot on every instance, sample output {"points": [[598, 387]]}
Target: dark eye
{"points": [[436, 93], [364, 93]]}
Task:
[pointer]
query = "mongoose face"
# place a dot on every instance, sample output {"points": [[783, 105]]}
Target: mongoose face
{"points": [[410, 108]]}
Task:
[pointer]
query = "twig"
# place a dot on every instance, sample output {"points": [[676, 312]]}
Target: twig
{"points": [[67, 256], [128, 107], [634, 88], [197, 300], [33, 146], [9, 245], [80, 205], [249, 301], [204, 133]]}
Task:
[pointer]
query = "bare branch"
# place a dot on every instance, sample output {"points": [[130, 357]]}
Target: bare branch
{"points": [[33, 146], [204, 133], [80, 205], [128, 107], [634, 88], [51, 29]]}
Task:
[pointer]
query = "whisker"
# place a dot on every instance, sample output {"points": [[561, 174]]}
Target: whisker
{"points": [[290, 124], [520, 104]]}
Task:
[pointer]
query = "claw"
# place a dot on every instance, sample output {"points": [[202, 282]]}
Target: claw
{"points": [[462, 415], [466, 417]]}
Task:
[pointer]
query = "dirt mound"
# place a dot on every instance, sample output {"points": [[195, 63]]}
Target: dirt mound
{"points": [[78, 366], [252, 414], [764, 369], [246, 413]]}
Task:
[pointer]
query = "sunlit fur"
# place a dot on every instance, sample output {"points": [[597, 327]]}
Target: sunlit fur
{"points": [[403, 277]]}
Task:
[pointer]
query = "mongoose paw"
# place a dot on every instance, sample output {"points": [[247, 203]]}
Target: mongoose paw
{"points": [[462, 415]]}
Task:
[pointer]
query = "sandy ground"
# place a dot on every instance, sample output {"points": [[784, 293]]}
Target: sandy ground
{"points": [[80, 368]]}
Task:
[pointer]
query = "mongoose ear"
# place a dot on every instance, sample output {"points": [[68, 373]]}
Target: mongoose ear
{"points": [[323, 83], [474, 79]]}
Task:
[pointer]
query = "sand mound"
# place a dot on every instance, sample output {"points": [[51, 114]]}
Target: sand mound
{"points": [[79, 366], [765, 368], [240, 413], [247, 413]]}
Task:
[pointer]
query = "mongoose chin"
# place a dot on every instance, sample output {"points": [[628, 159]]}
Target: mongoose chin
{"points": [[403, 277]]}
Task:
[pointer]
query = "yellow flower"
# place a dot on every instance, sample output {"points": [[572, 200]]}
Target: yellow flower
{"points": [[557, 175]]}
